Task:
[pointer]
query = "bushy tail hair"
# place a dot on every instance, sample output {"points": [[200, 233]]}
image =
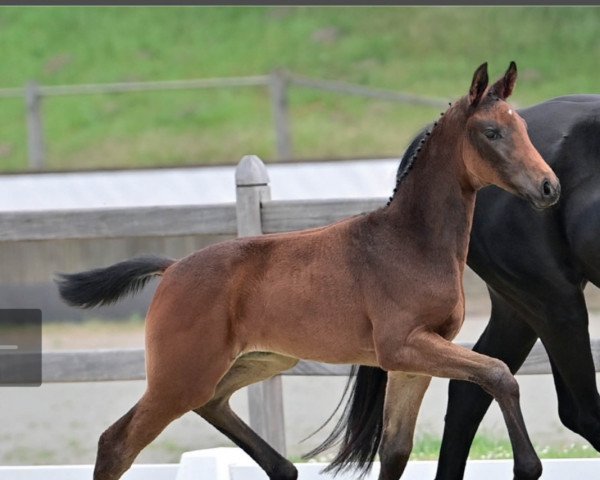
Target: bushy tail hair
{"points": [[360, 427], [103, 286]]}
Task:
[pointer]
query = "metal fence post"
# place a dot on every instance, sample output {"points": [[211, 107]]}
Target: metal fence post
{"points": [[265, 399], [278, 87], [35, 129]]}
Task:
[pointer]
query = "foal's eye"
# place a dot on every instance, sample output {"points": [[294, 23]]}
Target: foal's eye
{"points": [[492, 134]]}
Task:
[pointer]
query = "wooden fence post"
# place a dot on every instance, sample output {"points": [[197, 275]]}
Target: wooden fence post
{"points": [[265, 399], [278, 85], [35, 129]]}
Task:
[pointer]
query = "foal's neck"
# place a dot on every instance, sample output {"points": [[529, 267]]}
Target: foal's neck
{"points": [[434, 203]]}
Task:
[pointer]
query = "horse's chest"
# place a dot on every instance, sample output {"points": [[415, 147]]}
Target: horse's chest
{"points": [[433, 303], [438, 302], [441, 307], [436, 293]]}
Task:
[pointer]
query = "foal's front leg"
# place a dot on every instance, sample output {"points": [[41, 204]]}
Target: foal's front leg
{"points": [[507, 337], [403, 396], [427, 353]]}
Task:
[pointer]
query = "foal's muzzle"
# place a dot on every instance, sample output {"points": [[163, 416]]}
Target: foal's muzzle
{"points": [[547, 195]]}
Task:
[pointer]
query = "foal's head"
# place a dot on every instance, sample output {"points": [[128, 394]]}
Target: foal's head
{"points": [[496, 147]]}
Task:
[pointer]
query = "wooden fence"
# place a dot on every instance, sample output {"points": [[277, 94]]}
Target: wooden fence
{"points": [[254, 213], [277, 83]]}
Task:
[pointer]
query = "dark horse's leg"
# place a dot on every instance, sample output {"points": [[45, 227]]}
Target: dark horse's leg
{"points": [[507, 338], [565, 332], [566, 338], [581, 415], [249, 369]]}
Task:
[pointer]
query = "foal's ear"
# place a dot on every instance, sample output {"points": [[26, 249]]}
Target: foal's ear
{"points": [[504, 87], [478, 85]]}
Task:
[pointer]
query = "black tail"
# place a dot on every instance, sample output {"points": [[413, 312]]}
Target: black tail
{"points": [[103, 286], [359, 429]]}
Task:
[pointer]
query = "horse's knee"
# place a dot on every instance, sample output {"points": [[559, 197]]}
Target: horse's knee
{"points": [[501, 383]]}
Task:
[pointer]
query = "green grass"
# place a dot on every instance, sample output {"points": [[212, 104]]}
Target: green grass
{"points": [[487, 447], [426, 50]]}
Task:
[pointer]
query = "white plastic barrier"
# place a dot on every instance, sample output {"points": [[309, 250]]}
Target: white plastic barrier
{"points": [[559, 469], [212, 464], [234, 464], [84, 472]]}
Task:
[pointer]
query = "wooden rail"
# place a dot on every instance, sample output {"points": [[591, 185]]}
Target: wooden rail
{"points": [[277, 83], [254, 213], [128, 364], [127, 87], [362, 91], [118, 222], [277, 216]]}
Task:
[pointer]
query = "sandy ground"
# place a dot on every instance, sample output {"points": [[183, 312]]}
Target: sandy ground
{"points": [[60, 423]]}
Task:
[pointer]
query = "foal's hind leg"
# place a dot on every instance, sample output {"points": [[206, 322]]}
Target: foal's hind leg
{"points": [[120, 443], [249, 369], [175, 353], [162, 403], [159, 406], [403, 397]]}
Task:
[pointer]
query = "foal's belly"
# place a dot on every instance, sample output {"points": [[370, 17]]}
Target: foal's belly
{"points": [[326, 350], [333, 336]]}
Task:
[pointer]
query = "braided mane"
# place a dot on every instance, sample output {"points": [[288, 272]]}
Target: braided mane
{"points": [[410, 155]]}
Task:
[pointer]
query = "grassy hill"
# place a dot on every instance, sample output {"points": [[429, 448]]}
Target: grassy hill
{"points": [[426, 50]]}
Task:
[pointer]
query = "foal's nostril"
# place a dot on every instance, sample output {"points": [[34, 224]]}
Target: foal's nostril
{"points": [[546, 188]]}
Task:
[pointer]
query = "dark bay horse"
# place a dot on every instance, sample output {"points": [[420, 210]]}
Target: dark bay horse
{"points": [[536, 265], [382, 289]]}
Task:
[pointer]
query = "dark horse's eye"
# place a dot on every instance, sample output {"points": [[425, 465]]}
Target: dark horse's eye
{"points": [[492, 134]]}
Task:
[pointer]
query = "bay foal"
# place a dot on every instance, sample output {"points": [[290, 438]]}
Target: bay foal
{"points": [[382, 289]]}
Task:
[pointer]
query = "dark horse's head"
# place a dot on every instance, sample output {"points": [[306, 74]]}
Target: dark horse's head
{"points": [[495, 147]]}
